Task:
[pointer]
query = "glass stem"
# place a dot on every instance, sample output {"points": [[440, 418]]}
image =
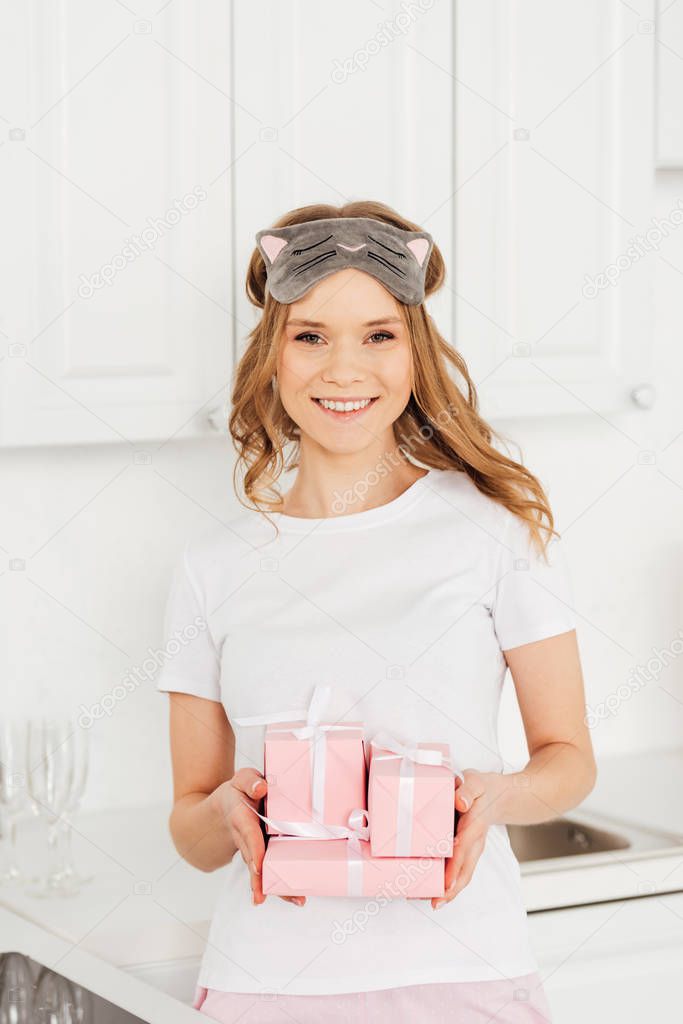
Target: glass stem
{"points": [[13, 863], [67, 862], [5, 847], [53, 859]]}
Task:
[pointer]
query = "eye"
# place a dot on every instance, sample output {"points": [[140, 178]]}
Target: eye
{"points": [[382, 336], [305, 335]]}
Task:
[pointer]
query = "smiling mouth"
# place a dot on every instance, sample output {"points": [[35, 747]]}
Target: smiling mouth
{"points": [[347, 409]]}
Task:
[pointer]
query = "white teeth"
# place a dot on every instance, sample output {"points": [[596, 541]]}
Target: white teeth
{"points": [[344, 406]]}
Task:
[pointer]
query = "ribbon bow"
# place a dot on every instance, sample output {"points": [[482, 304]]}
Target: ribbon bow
{"points": [[415, 754], [314, 730], [353, 833]]}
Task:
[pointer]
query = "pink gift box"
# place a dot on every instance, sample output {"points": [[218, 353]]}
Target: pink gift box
{"points": [[411, 806], [289, 773], [338, 867]]}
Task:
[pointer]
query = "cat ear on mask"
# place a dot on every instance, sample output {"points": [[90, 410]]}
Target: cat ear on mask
{"points": [[271, 246], [420, 247]]}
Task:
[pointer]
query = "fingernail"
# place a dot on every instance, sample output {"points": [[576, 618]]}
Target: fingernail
{"points": [[438, 904], [254, 868], [255, 785], [465, 802]]}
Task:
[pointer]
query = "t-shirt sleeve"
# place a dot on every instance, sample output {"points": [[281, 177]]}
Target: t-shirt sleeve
{"points": [[191, 662], [532, 598]]}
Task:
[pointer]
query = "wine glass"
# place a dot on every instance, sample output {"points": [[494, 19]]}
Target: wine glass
{"points": [[13, 794], [80, 747], [50, 777], [83, 1004], [53, 1002], [16, 990]]}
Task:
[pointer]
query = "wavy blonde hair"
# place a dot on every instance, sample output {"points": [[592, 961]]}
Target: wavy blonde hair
{"points": [[440, 426]]}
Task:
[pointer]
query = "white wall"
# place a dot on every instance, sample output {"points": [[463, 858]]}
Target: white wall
{"points": [[88, 603]]}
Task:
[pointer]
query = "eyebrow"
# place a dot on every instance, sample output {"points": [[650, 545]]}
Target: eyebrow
{"points": [[368, 323]]}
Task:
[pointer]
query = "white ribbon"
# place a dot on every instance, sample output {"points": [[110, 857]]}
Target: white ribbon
{"points": [[415, 754], [355, 831], [312, 729], [410, 756]]}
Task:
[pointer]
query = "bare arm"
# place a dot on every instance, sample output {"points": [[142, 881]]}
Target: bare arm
{"points": [[209, 822], [561, 769]]}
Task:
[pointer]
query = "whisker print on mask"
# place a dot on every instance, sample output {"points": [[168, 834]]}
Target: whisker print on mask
{"points": [[386, 263], [314, 262]]}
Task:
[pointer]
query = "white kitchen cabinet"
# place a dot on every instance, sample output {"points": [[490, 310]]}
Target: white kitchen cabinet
{"points": [[554, 179], [613, 961], [520, 135], [118, 316], [669, 84], [333, 109]]}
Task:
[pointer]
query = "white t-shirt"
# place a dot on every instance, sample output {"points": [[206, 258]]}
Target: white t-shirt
{"points": [[406, 610]]}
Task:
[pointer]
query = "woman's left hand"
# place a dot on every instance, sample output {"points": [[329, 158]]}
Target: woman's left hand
{"points": [[475, 800]]}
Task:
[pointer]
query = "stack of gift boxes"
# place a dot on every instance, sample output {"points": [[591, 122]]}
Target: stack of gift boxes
{"points": [[349, 818]]}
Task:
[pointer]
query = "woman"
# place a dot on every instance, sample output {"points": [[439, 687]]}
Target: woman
{"points": [[412, 562]]}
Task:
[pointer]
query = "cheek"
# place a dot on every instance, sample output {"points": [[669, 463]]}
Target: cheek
{"points": [[293, 367], [396, 370]]}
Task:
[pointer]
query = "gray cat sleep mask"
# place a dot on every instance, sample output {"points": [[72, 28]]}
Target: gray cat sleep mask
{"points": [[300, 255]]}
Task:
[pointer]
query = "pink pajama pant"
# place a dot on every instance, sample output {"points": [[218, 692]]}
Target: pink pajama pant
{"points": [[507, 1001]]}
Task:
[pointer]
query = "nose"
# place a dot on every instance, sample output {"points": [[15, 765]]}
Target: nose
{"points": [[342, 368]]}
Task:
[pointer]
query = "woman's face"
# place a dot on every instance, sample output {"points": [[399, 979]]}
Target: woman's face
{"points": [[345, 341]]}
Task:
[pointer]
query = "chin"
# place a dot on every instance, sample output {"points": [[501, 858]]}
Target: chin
{"points": [[342, 446]]}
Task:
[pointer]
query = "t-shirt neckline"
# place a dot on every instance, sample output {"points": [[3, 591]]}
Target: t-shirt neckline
{"points": [[357, 520]]}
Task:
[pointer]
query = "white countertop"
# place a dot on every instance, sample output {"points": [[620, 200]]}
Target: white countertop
{"points": [[144, 904], [147, 905], [90, 972]]}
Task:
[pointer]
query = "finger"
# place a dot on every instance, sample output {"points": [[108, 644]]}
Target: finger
{"points": [[251, 844], [250, 782], [467, 792], [244, 851], [298, 900], [470, 827], [462, 849], [465, 876], [461, 877], [454, 863]]}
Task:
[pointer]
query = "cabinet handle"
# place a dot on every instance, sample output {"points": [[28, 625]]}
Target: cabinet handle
{"points": [[644, 396]]}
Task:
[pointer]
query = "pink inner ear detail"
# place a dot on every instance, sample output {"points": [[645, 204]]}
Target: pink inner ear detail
{"points": [[272, 246], [419, 247]]}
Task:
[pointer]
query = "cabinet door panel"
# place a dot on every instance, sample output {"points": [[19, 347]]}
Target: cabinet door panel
{"points": [[119, 322]]}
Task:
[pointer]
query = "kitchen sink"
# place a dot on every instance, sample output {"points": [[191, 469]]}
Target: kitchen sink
{"points": [[584, 834], [561, 837]]}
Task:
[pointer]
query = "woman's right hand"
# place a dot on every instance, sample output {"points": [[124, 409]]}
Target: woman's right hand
{"points": [[245, 828]]}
